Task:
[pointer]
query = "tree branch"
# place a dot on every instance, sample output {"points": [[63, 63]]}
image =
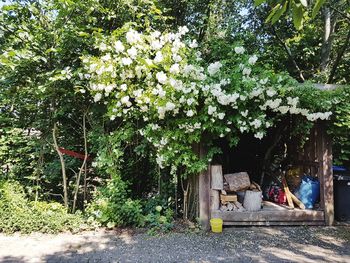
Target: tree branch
{"points": [[338, 59], [344, 15], [289, 52], [63, 166], [82, 166]]}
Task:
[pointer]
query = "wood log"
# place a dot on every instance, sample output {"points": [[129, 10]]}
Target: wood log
{"points": [[238, 181], [239, 206], [223, 192], [228, 198], [214, 200], [230, 207], [217, 179], [252, 200], [257, 186], [235, 208], [287, 192], [223, 208], [252, 187], [297, 201]]}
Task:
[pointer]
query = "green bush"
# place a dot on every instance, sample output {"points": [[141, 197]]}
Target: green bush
{"points": [[17, 213], [160, 220], [159, 214], [112, 206]]}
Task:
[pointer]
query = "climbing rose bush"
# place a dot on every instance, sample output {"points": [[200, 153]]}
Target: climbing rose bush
{"points": [[161, 81]]}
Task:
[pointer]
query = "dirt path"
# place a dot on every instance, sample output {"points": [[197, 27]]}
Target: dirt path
{"points": [[258, 244]]}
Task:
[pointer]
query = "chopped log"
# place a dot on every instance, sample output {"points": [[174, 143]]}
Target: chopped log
{"points": [[297, 201], [256, 185], [238, 181], [214, 200], [235, 208], [252, 187], [223, 208], [239, 206], [252, 200], [287, 192], [228, 198], [230, 207], [217, 179]]}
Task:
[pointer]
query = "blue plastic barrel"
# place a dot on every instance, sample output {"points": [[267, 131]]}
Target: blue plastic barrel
{"points": [[308, 191]]}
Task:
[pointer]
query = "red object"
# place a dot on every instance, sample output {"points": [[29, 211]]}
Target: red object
{"points": [[282, 198], [277, 195], [73, 154]]}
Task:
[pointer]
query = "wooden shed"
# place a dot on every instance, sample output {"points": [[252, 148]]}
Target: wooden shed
{"points": [[315, 157]]}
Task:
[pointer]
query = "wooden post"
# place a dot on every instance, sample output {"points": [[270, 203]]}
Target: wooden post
{"points": [[204, 192], [325, 173], [214, 200], [217, 179]]}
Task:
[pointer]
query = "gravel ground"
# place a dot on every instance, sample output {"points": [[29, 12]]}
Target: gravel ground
{"points": [[254, 244]]}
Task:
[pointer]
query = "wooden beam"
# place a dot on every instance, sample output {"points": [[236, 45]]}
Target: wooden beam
{"points": [[274, 223], [217, 178], [325, 172], [214, 199], [295, 215]]}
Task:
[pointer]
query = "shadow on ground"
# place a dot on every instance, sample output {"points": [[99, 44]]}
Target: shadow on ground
{"points": [[256, 244]]}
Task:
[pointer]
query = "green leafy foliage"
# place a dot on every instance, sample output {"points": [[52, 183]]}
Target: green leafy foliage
{"points": [[113, 207], [317, 7], [340, 129], [42, 82], [160, 220], [298, 16], [298, 8], [159, 213], [17, 213]]}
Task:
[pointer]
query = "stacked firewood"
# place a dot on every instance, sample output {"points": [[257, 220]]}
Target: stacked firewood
{"points": [[229, 202], [225, 189]]}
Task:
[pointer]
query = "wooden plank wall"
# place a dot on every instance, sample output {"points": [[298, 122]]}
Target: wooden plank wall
{"points": [[325, 173], [316, 159]]}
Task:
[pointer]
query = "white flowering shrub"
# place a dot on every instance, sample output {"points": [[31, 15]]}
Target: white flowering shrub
{"points": [[161, 81]]}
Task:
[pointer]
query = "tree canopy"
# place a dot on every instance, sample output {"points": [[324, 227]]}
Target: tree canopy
{"points": [[135, 85]]}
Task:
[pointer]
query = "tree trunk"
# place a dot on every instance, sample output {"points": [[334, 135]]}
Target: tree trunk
{"points": [[82, 166], [63, 166], [329, 25]]}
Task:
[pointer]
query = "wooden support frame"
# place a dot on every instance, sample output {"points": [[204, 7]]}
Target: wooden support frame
{"points": [[325, 172], [318, 153]]}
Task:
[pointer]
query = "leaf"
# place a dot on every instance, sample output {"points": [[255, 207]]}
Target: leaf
{"points": [[272, 13], [317, 7], [298, 16], [258, 2], [279, 13], [303, 2]]}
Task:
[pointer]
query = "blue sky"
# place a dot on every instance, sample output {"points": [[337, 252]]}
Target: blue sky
{"points": [[4, 3]]}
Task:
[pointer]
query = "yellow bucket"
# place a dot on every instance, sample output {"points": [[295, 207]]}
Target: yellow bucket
{"points": [[216, 225]]}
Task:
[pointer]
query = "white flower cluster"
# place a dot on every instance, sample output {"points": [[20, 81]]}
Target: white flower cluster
{"points": [[189, 127], [291, 107], [157, 75]]}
